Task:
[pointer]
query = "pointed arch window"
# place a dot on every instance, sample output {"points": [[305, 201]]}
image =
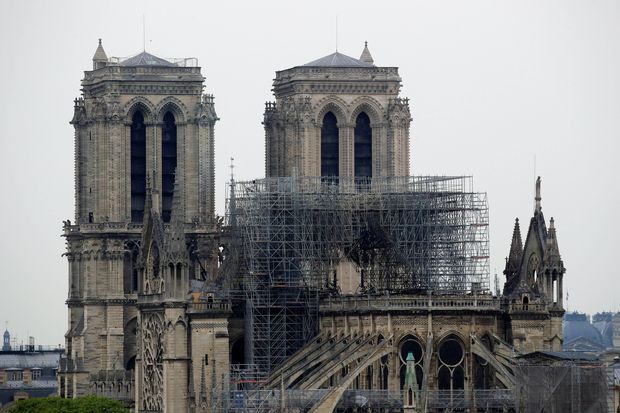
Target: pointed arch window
{"points": [[138, 166], [363, 146], [451, 373], [329, 146], [168, 163]]}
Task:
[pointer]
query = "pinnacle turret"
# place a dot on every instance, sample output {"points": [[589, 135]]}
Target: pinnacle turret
{"points": [[538, 208], [366, 57], [100, 59], [175, 238], [516, 246], [513, 261]]}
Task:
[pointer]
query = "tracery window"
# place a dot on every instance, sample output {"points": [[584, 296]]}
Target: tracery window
{"points": [[168, 163], [138, 166], [451, 374], [363, 146], [329, 146], [482, 370], [152, 361]]}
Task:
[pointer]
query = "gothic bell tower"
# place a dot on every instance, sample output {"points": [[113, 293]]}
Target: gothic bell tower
{"points": [[337, 117], [141, 122]]}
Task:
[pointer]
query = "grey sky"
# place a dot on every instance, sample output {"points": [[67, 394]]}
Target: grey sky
{"points": [[493, 86]]}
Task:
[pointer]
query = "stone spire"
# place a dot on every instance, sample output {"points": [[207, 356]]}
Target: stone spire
{"points": [[513, 261], [366, 57], [551, 248], [410, 403], [175, 239], [100, 59], [538, 208], [516, 246], [6, 345], [148, 200]]}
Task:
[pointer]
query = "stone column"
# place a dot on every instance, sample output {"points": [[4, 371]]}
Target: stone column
{"points": [[126, 177], [346, 141], [116, 172], [176, 361]]}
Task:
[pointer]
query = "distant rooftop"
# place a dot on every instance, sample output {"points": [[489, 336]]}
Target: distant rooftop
{"points": [[28, 360], [145, 59], [338, 60], [142, 59]]}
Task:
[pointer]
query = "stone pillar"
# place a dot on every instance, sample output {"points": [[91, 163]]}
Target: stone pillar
{"points": [[175, 361], [345, 148], [115, 173], [114, 343], [210, 349]]}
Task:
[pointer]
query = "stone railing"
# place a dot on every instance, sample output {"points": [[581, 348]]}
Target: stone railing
{"points": [[131, 227], [114, 384], [355, 303], [529, 308], [209, 306]]}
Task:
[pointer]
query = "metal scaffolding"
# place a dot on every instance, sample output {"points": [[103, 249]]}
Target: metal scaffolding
{"points": [[402, 235], [564, 387]]}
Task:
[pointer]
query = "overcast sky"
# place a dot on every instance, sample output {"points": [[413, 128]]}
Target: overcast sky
{"points": [[498, 90]]}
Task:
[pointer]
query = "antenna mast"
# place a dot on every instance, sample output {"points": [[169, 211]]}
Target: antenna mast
{"points": [[143, 33], [336, 33]]}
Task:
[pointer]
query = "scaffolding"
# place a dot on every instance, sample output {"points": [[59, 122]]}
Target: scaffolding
{"points": [[563, 387], [402, 234]]}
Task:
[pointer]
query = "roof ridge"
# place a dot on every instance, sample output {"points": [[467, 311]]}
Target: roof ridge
{"points": [[338, 59]]}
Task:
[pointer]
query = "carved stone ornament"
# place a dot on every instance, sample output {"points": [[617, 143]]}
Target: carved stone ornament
{"points": [[153, 278], [152, 335]]}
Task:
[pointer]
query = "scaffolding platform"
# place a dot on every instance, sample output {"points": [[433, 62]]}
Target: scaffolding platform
{"points": [[403, 235]]}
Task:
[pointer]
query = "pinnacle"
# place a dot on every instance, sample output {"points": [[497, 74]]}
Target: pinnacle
{"points": [[516, 246], [366, 57], [100, 53], [176, 236]]}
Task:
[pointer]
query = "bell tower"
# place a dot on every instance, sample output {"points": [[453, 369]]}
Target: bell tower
{"points": [[141, 122], [337, 117]]}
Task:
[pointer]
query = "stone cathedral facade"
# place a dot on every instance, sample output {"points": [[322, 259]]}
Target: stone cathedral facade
{"points": [[149, 319], [144, 227]]}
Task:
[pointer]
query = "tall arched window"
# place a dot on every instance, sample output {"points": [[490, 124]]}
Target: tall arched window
{"points": [[168, 164], [451, 374], [329, 146], [138, 167], [363, 146]]}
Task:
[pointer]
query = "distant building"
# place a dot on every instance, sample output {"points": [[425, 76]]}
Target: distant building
{"points": [[6, 345], [581, 334], [28, 373]]}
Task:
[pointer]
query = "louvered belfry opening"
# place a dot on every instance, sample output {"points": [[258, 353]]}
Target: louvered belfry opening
{"points": [[168, 164], [138, 167], [329, 146], [363, 146]]}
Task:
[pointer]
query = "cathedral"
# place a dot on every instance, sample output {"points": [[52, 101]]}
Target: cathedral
{"points": [[338, 282]]}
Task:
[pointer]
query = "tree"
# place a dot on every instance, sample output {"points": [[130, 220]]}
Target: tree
{"points": [[87, 404]]}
